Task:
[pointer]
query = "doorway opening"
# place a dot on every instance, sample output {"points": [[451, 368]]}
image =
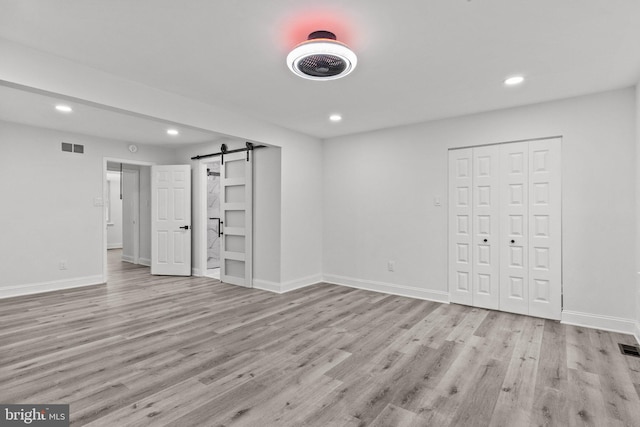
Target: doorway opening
{"points": [[126, 217]]}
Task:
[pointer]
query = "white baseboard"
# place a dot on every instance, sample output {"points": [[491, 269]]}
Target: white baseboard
{"points": [[127, 258], [301, 283], [637, 332], [389, 288], [144, 261], [291, 285], [55, 285], [196, 272], [114, 246], [265, 285], [596, 321]]}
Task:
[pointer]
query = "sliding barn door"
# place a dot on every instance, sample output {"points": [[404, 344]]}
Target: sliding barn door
{"points": [[171, 220], [460, 217], [236, 195]]}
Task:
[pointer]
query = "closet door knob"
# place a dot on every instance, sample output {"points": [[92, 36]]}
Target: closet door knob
{"points": [[513, 241], [485, 240]]}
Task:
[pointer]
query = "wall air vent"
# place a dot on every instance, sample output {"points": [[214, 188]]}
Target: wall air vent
{"points": [[629, 350], [73, 148]]}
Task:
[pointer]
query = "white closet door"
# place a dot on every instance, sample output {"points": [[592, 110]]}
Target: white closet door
{"points": [[485, 227], [514, 236], [545, 242], [460, 217], [236, 196]]}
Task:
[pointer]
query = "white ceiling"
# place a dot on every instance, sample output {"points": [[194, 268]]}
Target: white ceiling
{"points": [[418, 60], [38, 109]]}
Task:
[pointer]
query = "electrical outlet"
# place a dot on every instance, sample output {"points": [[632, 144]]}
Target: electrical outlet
{"points": [[391, 265], [62, 265]]}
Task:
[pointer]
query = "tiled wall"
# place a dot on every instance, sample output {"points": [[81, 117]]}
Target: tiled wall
{"points": [[213, 211]]}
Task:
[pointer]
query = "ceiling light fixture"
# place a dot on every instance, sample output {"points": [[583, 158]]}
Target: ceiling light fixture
{"points": [[321, 57], [515, 80], [335, 117], [172, 132], [64, 108]]}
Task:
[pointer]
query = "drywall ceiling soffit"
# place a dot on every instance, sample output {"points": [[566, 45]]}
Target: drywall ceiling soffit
{"points": [[417, 60], [38, 109]]}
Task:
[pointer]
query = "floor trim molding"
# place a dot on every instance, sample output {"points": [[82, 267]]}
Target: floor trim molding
{"points": [[55, 285], [266, 285], [637, 334], [597, 321], [281, 288], [389, 288]]}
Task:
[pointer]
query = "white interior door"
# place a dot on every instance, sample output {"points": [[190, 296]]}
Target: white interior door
{"points": [[460, 216], [486, 211], [514, 236], [545, 241], [171, 220], [236, 210]]}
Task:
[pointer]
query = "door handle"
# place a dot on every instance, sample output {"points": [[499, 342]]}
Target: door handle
{"points": [[185, 227], [513, 241], [485, 240], [220, 233]]}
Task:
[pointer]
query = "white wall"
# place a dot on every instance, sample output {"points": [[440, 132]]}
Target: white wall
{"points": [[54, 219], [379, 190], [301, 219], [267, 203], [130, 213], [114, 225], [637, 331]]}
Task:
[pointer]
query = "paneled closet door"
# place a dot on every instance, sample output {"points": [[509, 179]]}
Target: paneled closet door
{"points": [[485, 227], [545, 241], [460, 218], [514, 236]]}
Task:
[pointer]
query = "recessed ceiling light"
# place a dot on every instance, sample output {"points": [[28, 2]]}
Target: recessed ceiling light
{"points": [[515, 80], [63, 108], [335, 117], [173, 132], [321, 57]]}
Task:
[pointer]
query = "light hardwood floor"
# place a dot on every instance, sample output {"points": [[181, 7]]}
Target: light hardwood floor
{"points": [[146, 350]]}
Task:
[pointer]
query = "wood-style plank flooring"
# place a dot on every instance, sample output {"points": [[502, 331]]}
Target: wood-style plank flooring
{"points": [[146, 350]]}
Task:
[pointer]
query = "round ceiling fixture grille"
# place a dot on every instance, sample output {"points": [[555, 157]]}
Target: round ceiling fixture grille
{"points": [[321, 57]]}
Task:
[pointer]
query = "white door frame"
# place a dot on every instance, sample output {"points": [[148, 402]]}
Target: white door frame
{"points": [[105, 195], [200, 233], [135, 217]]}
